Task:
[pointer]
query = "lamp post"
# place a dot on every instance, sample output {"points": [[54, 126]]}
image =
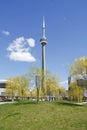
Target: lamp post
{"points": [[37, 78]]}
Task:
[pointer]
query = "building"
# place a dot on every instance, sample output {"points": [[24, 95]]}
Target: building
{"points": [[2, 88], [81, 81]]}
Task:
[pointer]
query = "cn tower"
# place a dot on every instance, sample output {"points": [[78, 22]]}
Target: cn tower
{"points": [[43, 42]]}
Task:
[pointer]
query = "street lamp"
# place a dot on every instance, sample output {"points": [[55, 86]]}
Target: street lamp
{"points": [[37, 78]]}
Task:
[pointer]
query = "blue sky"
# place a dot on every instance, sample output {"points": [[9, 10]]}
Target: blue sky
{"points": [[21, 30]]}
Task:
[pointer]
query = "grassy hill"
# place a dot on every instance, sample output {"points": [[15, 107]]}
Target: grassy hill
{"points": [[29, 115]]}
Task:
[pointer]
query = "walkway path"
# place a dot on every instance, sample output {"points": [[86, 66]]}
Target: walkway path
{"points": [[82, 103], [6, 102]]}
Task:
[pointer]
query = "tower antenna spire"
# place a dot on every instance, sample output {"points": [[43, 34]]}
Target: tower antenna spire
{"points": [[43, 28], [43, 22]]}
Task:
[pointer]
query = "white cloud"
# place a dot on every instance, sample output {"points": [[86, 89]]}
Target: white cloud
{"points": [[64, 82], [31, 42], [21, 56], [17, 45], [19, 50], [6, 33]]}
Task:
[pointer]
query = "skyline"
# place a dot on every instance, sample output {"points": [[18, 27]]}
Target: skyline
{"points": [[21, 31]]}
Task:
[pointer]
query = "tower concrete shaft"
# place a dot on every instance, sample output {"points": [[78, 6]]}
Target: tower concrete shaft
{"points": [[43, 42], [43, 59]]}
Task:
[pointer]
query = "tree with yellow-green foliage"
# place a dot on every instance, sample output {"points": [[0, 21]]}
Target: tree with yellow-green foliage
{"points": [[53, 88], [23, 89], [51, 85], [78, 71], [12, 87], [62, 92], [75, 92], [79, 68], [17, 87]]}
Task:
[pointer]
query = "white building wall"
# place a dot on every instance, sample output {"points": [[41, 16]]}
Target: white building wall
{"points": [[2, 91]]}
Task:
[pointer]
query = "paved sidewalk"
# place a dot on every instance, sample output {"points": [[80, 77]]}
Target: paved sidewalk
{"points": [[5, 103], [82, 103]]}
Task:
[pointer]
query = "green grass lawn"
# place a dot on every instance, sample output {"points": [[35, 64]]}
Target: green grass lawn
{"points": [[43, 116]]}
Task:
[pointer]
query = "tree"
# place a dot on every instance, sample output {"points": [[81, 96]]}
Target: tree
{"points": [[62, 92], [78, 72], [17, 87], [33, 73], [75, 92], [11, 87], [79, 68], [51, 85], [23, 87]]}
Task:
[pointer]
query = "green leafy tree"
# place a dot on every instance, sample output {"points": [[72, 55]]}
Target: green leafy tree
{"points": [[79, 68], [75, 92], [11, 87], [23, 87], [17, 87], [78, 71], [62, 92], [52, 85], [33, 73]]}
